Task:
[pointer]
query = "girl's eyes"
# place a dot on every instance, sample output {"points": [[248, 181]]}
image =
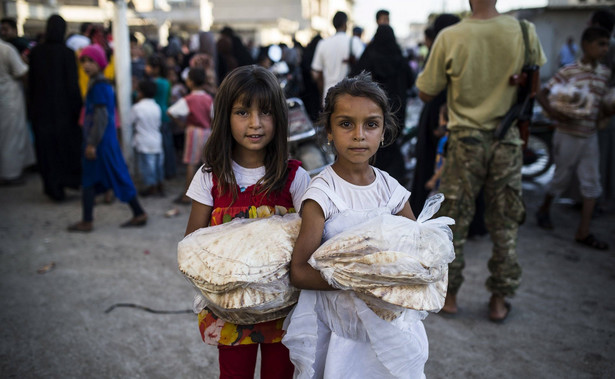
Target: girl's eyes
{"points": [[370, 124], [244, 113]]}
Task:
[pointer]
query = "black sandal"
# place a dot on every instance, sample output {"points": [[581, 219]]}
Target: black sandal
{"points": [[592, 242]]}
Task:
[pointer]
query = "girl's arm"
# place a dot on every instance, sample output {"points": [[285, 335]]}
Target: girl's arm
{"points": [[199, 217], [406, 211], [302, 275], [99, 124]]}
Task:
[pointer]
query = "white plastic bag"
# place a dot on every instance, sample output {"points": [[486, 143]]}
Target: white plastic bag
{"points": [[241, 267], [573, 100], [393, 258]]}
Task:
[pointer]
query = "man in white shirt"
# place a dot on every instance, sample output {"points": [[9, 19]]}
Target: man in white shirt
{"points": [[330, 63]]}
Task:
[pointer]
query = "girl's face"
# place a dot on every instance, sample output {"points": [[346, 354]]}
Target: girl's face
{"points": [[252, 128], [356, 128], [89, 66]]}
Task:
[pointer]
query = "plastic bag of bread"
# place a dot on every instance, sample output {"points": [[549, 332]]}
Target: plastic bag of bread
{"points": [[391, 258], [241, 267]]}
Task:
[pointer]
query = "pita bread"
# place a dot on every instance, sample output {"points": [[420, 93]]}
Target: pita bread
{"points": [[227, 256]]}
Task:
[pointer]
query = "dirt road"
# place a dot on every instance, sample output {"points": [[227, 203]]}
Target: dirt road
{"points": [[55, 289]]}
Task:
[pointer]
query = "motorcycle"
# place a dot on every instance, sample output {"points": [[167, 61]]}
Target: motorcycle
{"points": [[303, 139], [537, 155]]}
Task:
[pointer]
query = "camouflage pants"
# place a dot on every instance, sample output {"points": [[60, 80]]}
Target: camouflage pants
{"points": [[476, 159]]}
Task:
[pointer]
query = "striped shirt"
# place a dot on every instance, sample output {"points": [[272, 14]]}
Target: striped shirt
{"points": [[583, 75]]}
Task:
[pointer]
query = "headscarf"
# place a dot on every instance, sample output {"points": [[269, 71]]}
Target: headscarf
{"points": [[55, 30], [444, 20], [384, 41]]}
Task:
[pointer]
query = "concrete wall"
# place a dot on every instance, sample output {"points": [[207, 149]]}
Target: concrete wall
{"points": [[553, 27]]}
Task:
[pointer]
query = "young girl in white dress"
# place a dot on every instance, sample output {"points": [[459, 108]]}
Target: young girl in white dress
{"points": [[332, 333]]}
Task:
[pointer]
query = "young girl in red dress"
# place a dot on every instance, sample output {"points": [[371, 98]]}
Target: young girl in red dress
{"points": [[246, 174]]}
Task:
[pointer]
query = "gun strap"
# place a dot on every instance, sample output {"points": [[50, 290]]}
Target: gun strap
{"points": [[526, 42]]}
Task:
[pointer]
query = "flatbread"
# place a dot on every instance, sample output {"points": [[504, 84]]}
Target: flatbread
{"points": [[228, 256]]}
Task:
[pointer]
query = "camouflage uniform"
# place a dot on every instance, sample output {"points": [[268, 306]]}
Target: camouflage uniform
{"points": [[476, 159]]}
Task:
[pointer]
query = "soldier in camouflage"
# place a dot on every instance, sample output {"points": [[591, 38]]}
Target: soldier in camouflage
{"points": [[475, 59]]}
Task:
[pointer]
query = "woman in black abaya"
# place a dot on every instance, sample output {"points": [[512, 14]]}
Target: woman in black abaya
{"points": [[383, 59], [53, 107]]}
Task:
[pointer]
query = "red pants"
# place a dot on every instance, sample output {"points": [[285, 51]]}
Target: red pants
{"points": [[239, 362]]}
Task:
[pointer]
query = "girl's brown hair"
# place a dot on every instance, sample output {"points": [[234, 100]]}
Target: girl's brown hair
{"points": [[248, 84]]}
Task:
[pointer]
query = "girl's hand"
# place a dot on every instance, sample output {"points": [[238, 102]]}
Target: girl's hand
{"points": [[90, 152]]}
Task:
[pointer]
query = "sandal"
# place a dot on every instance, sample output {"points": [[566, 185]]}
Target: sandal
{"points": [[499, 320], [493, 317], [81, 226], [136, 221], [544, 220], [592, 242]]}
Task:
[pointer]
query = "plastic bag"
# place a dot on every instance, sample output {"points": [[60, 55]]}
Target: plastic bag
{"points": [[235, 254], [573, 100], [392, 258], [241, 267]]}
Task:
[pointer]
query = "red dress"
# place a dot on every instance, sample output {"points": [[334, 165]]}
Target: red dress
{"points": [[248, 204]]}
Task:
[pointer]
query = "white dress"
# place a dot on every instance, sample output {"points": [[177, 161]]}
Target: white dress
{"points": [[333, 334], [16, 151]]}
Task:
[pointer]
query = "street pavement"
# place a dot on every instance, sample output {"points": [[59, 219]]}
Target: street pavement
{"points": [[58, 289]]}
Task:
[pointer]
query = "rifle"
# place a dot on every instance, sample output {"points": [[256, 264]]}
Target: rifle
{"points": [[528, 82]]}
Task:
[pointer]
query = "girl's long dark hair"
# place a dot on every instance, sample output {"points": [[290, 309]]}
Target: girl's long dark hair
{"points": [[249, 84]]}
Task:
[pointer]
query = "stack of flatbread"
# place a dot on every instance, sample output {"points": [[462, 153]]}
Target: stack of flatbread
{"points": [[242, 267], [391, 262]]}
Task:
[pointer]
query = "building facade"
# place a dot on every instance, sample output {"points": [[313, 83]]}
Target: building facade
{"points": [[265, 22]]}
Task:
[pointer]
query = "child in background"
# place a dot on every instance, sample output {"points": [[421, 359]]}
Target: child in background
{"points": [[147, 140], [103, 163], [156, 69], [193, 114], [333, 333], [434, 182], [246, 165], [575, 142]]}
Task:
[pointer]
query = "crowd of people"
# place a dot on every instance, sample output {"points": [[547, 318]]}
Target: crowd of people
{"points": [[216, 105]]}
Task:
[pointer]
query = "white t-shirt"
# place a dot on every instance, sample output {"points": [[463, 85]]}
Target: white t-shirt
{"points": [[202, 183], [330, 58], [146, 118], [372, 196]]}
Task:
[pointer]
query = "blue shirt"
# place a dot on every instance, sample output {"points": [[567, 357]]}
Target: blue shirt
{"points": [[567, 54]]}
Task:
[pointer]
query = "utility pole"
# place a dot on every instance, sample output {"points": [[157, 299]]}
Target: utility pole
{"points": [[123, 80]]}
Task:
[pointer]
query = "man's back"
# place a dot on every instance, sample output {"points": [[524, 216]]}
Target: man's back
{"points": [[331, 59], [476, 58]]}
